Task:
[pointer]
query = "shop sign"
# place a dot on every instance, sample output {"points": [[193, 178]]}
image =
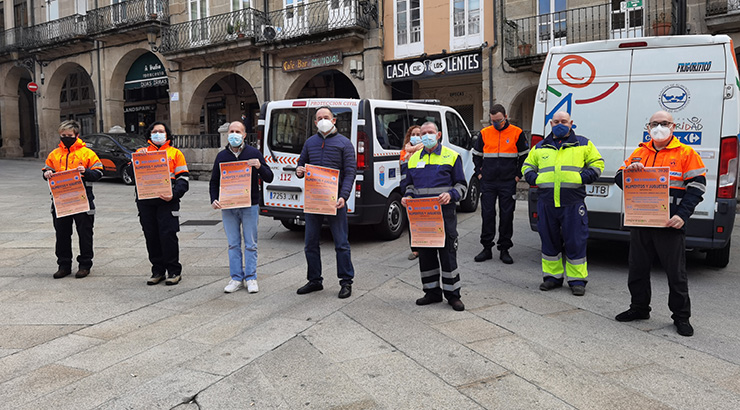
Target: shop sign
{"points": [[307, 63], [433, 66], [147, 71], [140, 108]]}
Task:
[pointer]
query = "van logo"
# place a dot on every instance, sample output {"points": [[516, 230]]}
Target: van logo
{"points": [[694, 66], [674, 97]]}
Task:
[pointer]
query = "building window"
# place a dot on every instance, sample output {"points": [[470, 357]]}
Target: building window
{"points": [[407, 24], [466, 24], [240, 4], [552, 24]]}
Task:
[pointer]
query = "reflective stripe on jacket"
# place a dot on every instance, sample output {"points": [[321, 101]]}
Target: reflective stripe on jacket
{"points": [[688, 174], [561, 173], [431, 174], [499, 155]]}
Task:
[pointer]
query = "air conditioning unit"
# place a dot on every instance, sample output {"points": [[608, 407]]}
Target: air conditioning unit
{"points": [[269, 32]]}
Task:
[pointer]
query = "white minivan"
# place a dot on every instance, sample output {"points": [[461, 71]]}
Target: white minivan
{"points": [[376, 129], [612, 87]]}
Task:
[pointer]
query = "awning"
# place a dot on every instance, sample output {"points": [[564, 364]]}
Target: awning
{"points": [[147, 71]]}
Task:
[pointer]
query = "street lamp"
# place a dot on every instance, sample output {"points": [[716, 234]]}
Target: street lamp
{"points": [[151, 37]]}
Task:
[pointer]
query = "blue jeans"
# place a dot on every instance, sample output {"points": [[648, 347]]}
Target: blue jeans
{"points": [[339, 231], [247, 219]]}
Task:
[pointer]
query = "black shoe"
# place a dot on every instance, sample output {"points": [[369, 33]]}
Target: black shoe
{"points": [[62, 272], [172, 279], [81, 273], [578, 290], [345, 292], [505, 257], [632, 314], [484, 255], [310, 287], [550, 285], [155, 279], [683, 327], [456, 304], [428, 299]]}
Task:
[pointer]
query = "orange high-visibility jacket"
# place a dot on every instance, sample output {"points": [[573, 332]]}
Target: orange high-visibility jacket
{"points": [[499, 155], [178, 167], [63, 159]]}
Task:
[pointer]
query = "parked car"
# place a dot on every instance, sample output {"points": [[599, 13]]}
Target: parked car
{"points": [[114, 151]]}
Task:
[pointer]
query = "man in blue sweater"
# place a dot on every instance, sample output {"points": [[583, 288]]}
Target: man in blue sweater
{"points": [[240, 221], [329, 149]]}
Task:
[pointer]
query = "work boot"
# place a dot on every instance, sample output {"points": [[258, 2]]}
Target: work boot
{"points": [[549, 285], [632, 314], [578, 290], [428, 299], [484, 255], [172, 279], [156, 278], [62, 272], [683, 327], [456, 304], [505, 257], [81, 273]]}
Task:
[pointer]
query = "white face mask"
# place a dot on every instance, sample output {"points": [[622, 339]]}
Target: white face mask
{"points": [[660, 133], [158, 138], [324, 126]]}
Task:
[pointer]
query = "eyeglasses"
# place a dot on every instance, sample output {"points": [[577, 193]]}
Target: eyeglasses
{"points": [[664, 124]]}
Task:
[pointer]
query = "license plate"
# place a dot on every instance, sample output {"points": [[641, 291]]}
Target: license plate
{"points": [[597, 190], [283, 196]]}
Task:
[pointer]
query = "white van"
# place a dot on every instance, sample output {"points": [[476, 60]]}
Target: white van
{"points": [[612, 87], [376, 129]]}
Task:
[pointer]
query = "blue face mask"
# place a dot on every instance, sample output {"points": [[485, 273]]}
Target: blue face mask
{"points": [[235, 139], [560, 130], [415, 140], [499, 125], [158, 138], [429, 140]]}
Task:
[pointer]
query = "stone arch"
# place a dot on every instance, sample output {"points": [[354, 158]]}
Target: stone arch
{"points": [[18, 132], [115, 98], [521, 108], [200, 93], [302, 81]]}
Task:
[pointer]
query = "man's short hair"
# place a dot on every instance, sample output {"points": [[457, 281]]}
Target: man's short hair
{"points": [[498, 108], [324, 107], [432, 123], [70, 125]]}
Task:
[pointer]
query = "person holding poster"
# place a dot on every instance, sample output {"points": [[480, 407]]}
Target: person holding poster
{"points": [[160, 217], [240, 221], [329, 149], [437, 172], [73, 154], [560, 166], [687, 186]]}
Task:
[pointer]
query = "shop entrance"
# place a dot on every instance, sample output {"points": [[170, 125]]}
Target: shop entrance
{"points": [[146, 94]]}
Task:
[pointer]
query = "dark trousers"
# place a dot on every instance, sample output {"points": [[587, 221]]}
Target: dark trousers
{"points": [[430, 260], [504, 192], [63, 227], [160, 221], [561, 229], [669, 246], [339, 231]]}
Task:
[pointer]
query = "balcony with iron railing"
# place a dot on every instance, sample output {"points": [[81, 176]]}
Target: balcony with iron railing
{"points": [[723, 16], [12, 39], [319, 18], [527, 40], [127, 14], [54, 32], [212, 31]]}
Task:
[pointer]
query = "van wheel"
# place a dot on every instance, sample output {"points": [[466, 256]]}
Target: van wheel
{"points": [[719, 258], [394, 219], [470, 203], [291, 225], [128, 179]]}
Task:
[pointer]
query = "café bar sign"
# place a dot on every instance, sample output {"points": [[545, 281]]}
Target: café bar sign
{"points": [[315, 61], [433, 66]]}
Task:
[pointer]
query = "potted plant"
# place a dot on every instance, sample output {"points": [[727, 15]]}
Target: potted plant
{"points": [[661, 26], [525, 49]]}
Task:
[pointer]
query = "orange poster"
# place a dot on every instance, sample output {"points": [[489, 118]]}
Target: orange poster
{"points": [[322, 187], [646, 197], [69, 193], [152, 174], [426, 223], [236, 184]]}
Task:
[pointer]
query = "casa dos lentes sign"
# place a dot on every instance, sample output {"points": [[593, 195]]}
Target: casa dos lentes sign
{"points": [[433, 66]]}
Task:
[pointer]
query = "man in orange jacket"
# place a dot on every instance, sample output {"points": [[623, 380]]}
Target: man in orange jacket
{"points": [[73, 154], [687, 186]]}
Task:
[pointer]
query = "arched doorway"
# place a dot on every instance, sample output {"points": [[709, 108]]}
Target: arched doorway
{"points": [[77, 100], [26, 121], [220, 98], [520, 112], [146, 94], [329, 84]]}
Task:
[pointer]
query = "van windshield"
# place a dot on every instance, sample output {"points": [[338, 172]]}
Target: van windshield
{"points": [[291, 127]]}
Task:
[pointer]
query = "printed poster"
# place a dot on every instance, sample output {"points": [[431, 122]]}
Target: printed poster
{"points": [[646, 201], [322, 190], [68, 192], [426, 223], [152, 174], [236, 185]]}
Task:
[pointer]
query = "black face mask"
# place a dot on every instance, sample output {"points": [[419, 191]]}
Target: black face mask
{"points": [[68, 141]]}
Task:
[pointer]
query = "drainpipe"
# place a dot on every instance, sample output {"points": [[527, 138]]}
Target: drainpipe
{"points": [[100, 87], [490, 60], [503, 18], [266, 58]]}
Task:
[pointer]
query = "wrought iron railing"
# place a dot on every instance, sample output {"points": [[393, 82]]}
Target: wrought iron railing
{"points": [[214, 30], [127, 13], [719, 7], [532, 37], [313, 18], [196, 141], [12, 39], [55, 31]]}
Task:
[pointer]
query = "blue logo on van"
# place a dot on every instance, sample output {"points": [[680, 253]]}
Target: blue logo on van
{"points": [[674, 97], [686, 137]]}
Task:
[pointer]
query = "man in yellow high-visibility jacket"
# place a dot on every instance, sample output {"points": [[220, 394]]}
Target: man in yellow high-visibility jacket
{"points": [[560, 166]]}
